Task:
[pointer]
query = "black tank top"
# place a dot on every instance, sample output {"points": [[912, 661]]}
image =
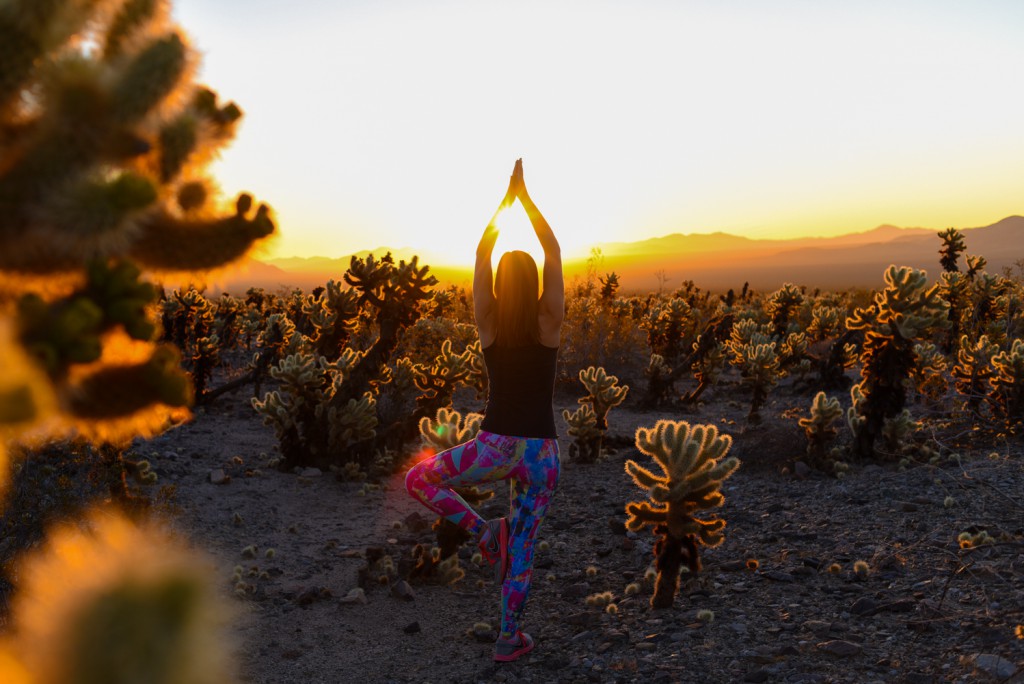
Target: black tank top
{"points": [[521, 386]]}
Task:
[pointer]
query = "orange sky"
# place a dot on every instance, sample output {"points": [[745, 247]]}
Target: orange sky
{"points": [[397, 123]]}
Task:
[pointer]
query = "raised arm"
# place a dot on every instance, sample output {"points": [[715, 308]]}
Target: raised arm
{"points": [[552, 300], [483, 277]]}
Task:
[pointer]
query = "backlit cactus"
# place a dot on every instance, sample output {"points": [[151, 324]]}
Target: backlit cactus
{"points": [[820, 431], [1008, 384], [603, 394], [446, 430], [109, 601], [694, 465], [906, 311], [111, 137], [781, 306], [760, 369]]}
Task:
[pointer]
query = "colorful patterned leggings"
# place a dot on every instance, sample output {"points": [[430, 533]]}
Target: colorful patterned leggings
{"points": [[531, 466]]}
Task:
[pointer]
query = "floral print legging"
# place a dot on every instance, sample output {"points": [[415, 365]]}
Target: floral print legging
{"points": [[531, 466]]}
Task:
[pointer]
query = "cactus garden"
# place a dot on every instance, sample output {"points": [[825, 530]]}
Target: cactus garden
{"points": [[785, 485]]}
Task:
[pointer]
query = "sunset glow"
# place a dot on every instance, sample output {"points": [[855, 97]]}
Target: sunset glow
{"points": [[397, 124]]}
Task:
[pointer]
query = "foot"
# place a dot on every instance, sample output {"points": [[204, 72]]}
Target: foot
{"points": [[505, 650], [494, 547]]}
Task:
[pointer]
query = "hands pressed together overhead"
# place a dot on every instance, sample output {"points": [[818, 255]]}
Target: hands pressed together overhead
{"points": [[516, 185]]}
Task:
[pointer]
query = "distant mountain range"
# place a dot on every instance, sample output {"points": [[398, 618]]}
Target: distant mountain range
{"points": [[715, 261]]}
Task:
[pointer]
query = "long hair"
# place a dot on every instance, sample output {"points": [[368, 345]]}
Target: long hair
{"points": [[517, 290]]}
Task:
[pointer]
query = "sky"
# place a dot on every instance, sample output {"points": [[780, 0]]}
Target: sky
{"points": [[396, 122]]}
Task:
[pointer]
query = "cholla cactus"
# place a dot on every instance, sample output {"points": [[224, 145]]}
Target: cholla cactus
{"points": [[105, 166], [905, 311], [781, 305], [438, 381], [97, 596], [446, 430], [953, 246], [333, 317], [304, 416], [693, 465], [1008, 384], [188, 319], [819, 430], [104, 139], [826, 322], [974, 368], [586, 437], [760, 370], [928, 374], [603, 393], [667, 327]]}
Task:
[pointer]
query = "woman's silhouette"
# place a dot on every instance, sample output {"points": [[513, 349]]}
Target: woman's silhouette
{"points": [[519, 332]]}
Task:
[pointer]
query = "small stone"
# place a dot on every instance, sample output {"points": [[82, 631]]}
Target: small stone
{"points": [[356, 595], [411, 628], [818, 627], [993, 665], [402, 590], [218, 476], [801, 470], [756, 676], [840, 648], [865, 605], [578, 590], [310, 472], [616, 526], [779, 576]]}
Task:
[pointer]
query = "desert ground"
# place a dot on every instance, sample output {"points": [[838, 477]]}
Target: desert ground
{"points": [[786, 603]]}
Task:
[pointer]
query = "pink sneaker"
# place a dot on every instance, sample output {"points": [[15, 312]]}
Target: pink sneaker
{"points": [[507, 651], [496, 548]]}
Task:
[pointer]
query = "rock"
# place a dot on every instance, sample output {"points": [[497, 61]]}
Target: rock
{"points": [[402, 590], [578, 590], [582, 619], [416, 522], [356, 595], [310, 472], [778, 576], [218, 476], [865, 606], [992, 665], [756, 676], [411, 628], [840, 648], [801, 470]]}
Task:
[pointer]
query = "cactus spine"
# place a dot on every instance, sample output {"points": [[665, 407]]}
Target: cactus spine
{"points": [[694, 465]]}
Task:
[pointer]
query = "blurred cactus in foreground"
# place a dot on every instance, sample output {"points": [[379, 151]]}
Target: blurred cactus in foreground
{"points": [[693, 464], [104, 138], [108, 601]]}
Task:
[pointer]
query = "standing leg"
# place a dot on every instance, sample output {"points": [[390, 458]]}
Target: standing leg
{"points": [[467, 464], [531, 494]]}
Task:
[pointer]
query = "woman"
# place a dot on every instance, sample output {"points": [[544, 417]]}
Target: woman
{"points": [[520, 334]]}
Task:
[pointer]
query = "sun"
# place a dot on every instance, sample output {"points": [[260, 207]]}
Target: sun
{"points": [[516, 233]]}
